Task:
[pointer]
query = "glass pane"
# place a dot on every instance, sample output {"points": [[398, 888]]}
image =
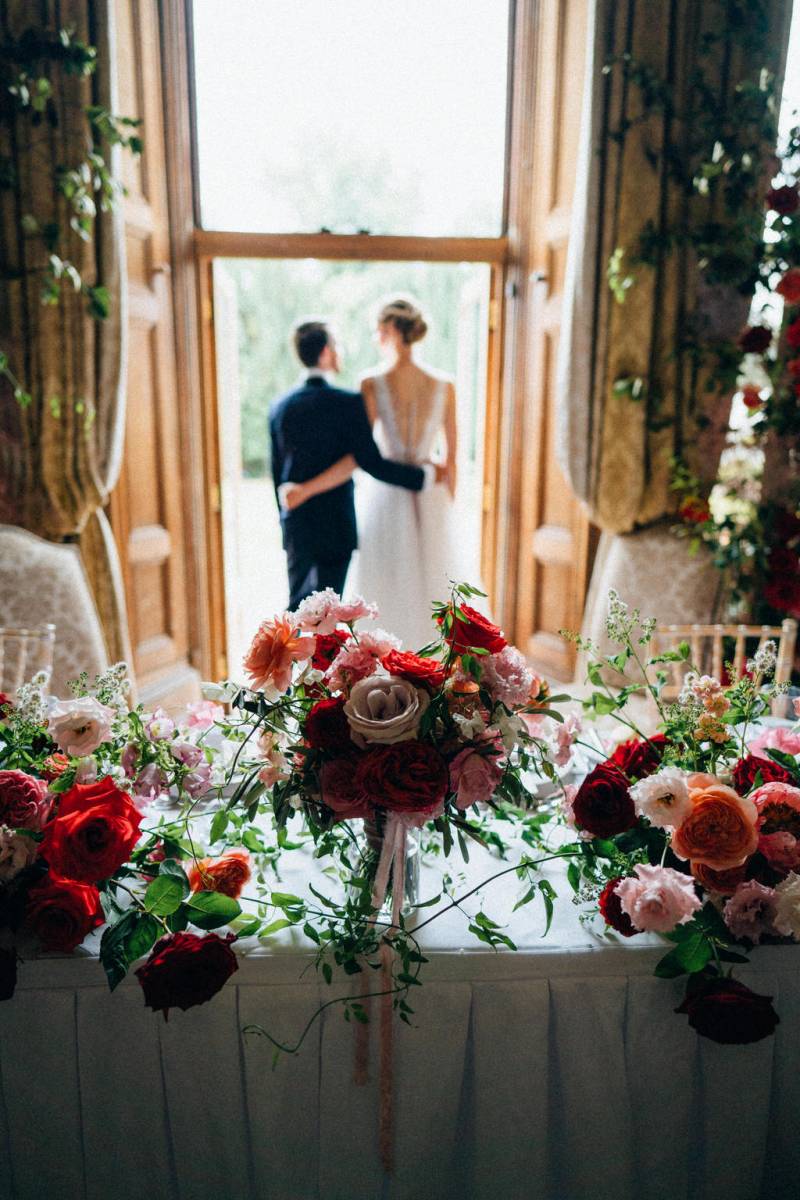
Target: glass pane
{"points": [[352, 115], [255, 305]]}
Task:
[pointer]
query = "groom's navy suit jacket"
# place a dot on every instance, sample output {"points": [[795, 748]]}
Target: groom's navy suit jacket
{"points": [[311, 428]]}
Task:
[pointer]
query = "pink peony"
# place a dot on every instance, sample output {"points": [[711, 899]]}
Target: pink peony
{"points": [[750, 912], [779, 738], [657, 898], [273, 650], [203, 713], [507, 677], [321, 612], [24, 801], [474, 777]]}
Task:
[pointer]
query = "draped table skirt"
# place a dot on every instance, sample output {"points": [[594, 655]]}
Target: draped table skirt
{"points": [[557, 1073]]}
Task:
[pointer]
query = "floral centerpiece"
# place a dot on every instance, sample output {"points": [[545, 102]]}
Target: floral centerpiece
{"points": [[692, 832]]}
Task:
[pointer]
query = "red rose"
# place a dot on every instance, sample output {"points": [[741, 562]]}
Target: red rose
{"points": [[603, 805], [471, 628], [793, 334], [611, 910], [410, 666], [96, 828], [783, 200], [782, 589], [406, 777], [789, 286], [327, 647], [340, 791], [327, 727], [61, 912], [185, 969], [754, 339], [226, 875], [751, 397], [694, 511], [637, 758], [746, 769], [22, 800], [726, 1011]]}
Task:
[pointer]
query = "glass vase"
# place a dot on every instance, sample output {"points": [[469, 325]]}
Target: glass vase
{"points": [[373, 838]]}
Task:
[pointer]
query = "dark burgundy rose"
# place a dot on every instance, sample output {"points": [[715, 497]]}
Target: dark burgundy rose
{"points": [[8, 972], [603, 805], [327, 727], [793, 334], [782, 589], [755, 339], [746, 769], [783, 200], [406, 777], [340, 791], [611, 910], [420, 671], [61, 912], [327, 647], [185, 969], [638, 758], [727, 1011]]}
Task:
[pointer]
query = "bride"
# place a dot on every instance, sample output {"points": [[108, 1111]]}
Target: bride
{"points": [[407, 551]]}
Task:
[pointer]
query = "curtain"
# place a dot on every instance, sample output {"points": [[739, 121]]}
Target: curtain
{"points": [[617, 438], [60, 455]]}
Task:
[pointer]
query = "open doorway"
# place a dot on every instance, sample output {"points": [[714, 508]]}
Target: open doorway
{"points": [[255, 305]]}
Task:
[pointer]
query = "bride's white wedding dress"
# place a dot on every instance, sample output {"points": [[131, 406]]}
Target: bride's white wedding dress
{"points": [[408, 551]]}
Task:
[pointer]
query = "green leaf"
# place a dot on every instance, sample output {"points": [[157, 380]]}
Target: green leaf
{"points": [[574, 876], [141, 938], [669, 967], [274, 926], [694, 953], [219, 824], [112, 949], [286, 900], [164, 895], [209, 910]]}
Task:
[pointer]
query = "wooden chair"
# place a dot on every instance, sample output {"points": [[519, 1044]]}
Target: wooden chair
{"points": [[709, 655], [25, 653]]}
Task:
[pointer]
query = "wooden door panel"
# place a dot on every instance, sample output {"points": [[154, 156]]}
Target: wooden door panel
{"points": [[553, 536], [148, 504]]}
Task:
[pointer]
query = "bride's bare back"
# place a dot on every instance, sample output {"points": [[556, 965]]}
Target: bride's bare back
{"points": [[421, 408]]}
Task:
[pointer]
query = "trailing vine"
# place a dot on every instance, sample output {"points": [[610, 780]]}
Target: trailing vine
{"points": [[34, 70]]}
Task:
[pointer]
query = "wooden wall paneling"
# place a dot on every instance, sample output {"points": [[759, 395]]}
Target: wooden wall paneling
{"points": [[147, 508], [553, 541]]}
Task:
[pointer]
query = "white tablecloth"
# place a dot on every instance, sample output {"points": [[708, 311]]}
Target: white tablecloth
{"points": [[559, 1072]]}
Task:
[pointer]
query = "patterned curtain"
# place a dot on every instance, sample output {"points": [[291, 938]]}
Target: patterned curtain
{"points": [[60, 456], [618, 437]]}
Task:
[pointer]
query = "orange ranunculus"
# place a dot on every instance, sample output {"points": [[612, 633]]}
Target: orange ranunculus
{"points": [[720, 830], [275, 647], [227, 875]]}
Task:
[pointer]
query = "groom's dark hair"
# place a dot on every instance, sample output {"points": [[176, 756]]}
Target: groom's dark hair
{"points": [[310, 339]]}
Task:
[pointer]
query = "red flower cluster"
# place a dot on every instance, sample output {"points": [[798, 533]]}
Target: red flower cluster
{"points": [[407, 777], [96, 828], [185, 969], [327, 647], [226, 875], [612, 912], [471, 628], [637, 758], [746, 770], [421, 671], [327, 727], [727, 1011]]}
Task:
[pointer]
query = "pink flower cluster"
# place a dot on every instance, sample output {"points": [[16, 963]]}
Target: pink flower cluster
{"points": [[657, 898], [321, 612]]}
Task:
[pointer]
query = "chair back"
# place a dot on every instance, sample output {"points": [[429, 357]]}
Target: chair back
{"points": [[25, 653], [711, 651]]}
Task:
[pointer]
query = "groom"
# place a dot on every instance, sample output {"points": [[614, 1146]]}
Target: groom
{"points": [[311, 428]]}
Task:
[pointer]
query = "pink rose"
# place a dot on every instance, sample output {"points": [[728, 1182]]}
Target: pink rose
{"points": [[24, 802], [474, 777], [750, 912], [203, 713], [79, 726], [657, 898], [781, 850]]}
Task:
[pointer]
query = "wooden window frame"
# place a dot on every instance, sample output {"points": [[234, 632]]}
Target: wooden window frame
{"points": [[496, 252]]}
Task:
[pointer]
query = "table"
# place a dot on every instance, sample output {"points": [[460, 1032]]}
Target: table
{"points": [[557, 1073]]}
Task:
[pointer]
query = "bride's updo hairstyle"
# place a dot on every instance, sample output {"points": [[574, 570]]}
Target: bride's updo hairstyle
{"points": [[404, 315]]}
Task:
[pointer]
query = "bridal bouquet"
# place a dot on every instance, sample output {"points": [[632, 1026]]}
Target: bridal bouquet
{"points": [[693, 832]]}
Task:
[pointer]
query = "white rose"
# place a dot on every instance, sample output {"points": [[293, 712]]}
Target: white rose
{"points": [[79, 726], [385, 710], [16, 852]]}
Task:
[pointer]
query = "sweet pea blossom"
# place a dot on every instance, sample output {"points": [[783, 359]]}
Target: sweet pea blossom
{"points": [[198, 781], [565, 734], [186, 753], [657, 898], [86, 771], [750, 912], [160, 726], [150, 783], [79, 726], [663, 797], [203, 714]]}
